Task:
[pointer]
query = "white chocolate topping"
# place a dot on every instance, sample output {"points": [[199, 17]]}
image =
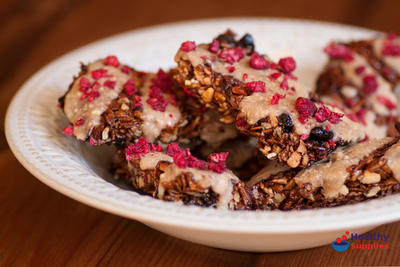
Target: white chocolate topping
{"points": [[150, 160], [393, 160], [155, 121], [392, 61], [332, 175]]}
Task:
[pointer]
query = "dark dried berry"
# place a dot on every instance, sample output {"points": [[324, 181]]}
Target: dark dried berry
{"points": [[319, 134], [247, 42], [227, 38], [285, 120]]}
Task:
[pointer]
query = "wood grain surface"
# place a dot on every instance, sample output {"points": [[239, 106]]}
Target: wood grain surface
{"points": [[41, 227]]}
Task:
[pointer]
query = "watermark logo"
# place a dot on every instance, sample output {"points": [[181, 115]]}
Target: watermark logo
{"points": [[380, 242], [340, 244]]}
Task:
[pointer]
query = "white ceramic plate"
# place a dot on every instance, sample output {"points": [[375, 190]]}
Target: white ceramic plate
{"points": [[34, 125]]}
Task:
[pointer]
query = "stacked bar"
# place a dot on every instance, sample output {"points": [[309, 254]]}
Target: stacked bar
{"points": [[263, 99], [361, 78], [364, 171]]}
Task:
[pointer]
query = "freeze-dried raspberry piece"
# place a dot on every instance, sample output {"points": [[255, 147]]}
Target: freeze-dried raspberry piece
{"points": [[276, 98], [214, 47], [110, 84], [172, 149], [274, 76], [80, 122], [370, 84], [338, 51], [324, 114], [163, 81], [390, 49], [112, 61], [137, 150], [188, 46], [69, 130], [360, 70], [287, 64], [156, 100], [84, 84], [216, 162], [241, 122], [97, 74], [256, 86], [129, 87], [230, 69], [285, 83], [154, 148], [306, 108], [93, 141], [231, 55], [245, 76], [125, 69], [180, 160], [259, 62], [93, 96], [387, 102]]}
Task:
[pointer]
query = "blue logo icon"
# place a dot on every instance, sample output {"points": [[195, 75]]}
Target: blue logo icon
{"points": [[340, 247], [340, 244]]}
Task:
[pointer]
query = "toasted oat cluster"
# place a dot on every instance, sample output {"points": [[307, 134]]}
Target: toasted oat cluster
{"points": [[173, 131]]}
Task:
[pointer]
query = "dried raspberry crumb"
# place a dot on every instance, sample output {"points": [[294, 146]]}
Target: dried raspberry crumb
{"points": [[69, 130], [328, 127], [214, 47], [370, 84], [332, 143], [231, 55], [216, 162], [256, 86], [84, 84], [338, 51], [93, 141], [111, 60], [324, 114], [95, 85], [137, 150], [138, 98], [241, 122], [172, 149], [188, 92], [245, 76], [163, 81], [293, 89], [125, 69], [360, 70], [188, 46], [390, 49], [304, 137], [276, 98], [230, 69], [97, 74], [203, 57], [129, 87], [154, 148], [285, 83], [94, 95], [274, 76], [259, 62], [202, 110], [287, 64], [80, 122], [156, 100], [306, 108], [110, 84], [387, 102], [138, 105]]}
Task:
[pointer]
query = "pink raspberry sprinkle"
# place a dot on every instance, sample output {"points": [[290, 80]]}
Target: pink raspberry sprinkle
{"points": [[110, 84], [188, 46], [97, 74], [129, 87], [259, 62], [112, 61], [214, 47], [287, 64], [125, 69], [80, 122], [69, 130], [276, 98], [256, 86]]}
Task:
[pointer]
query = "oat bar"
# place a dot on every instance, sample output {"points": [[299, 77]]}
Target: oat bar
{"points": [[263, 99], [176, 175], [367, 170], [359, 81]]}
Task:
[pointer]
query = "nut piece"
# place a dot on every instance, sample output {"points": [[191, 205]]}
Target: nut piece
{"points": [[228, 119], [373, 191], [207, 96], [124, 107], [219, 97], [294, 159], [104, 134], [370, 177]]}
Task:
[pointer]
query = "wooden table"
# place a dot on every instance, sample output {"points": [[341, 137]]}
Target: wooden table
{"points": [[41, 227]]}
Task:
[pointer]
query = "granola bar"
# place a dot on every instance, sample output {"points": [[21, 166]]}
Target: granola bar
{"points": [[176, 175], [360, 78], [367, 170], [263, 99]]}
